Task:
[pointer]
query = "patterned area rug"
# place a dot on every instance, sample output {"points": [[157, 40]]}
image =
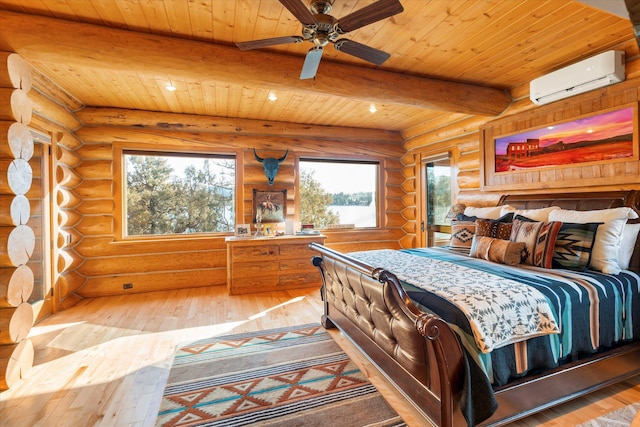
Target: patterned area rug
{"points": [[295, 376], [623, 417]]}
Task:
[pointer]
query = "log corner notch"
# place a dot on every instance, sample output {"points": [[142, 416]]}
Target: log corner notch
{"points": [[17, 239]]}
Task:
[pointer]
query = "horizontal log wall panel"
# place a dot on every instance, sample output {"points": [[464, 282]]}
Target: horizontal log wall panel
{"points": [[175, 261], [96, 246], [92, 116], [95, 169], [55, 112], [95, 206], [154, 281], [95, 225], [100, 134], [54, 91], [94, 188], [67, 177]]}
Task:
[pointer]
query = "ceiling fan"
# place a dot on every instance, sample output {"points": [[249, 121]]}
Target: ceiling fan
{"points": [[320, 28]]}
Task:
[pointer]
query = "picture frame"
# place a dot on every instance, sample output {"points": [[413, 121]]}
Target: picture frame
{"points": [[582, 151], [243, 230], [269, 205]]}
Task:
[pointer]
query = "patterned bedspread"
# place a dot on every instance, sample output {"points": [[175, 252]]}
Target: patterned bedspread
{"points": [[592, 311], [499, 310]]}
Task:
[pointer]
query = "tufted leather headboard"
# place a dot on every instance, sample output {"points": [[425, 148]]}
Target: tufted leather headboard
{"points": [[582, 202]]}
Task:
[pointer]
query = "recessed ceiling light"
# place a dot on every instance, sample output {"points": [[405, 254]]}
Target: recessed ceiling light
{"points": [[272, 96], [372, 108], [170, 87]]}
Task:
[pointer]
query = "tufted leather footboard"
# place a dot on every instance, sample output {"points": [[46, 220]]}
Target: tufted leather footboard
{"points": [[416, 351]]}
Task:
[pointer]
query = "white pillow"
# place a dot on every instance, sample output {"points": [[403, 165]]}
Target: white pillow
{"points": [[604, 256], [629, 237], [541, 215], [492, 212]]}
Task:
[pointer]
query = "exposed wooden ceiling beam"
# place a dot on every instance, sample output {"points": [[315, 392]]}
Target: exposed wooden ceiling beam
{"points": [[38, 38]]}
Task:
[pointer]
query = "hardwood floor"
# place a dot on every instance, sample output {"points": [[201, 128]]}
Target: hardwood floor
{"points": [[105, 361]]}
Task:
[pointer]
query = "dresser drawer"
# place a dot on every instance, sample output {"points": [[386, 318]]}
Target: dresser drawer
{"points": [[254, 269], [254, 252], [297, 250], [312, 278], [296, 264], [245, 285]]}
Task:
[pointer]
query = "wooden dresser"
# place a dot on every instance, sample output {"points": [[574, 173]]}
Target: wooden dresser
{"points": [[271, 263]]}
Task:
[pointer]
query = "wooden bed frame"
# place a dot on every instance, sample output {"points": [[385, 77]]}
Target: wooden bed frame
{"points": [[420, 355]]}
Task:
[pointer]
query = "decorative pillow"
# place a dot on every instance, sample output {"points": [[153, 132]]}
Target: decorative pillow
{"points": [[493, 212], [462, 233], [496, 250], [604, 256], [574, 245], [541, 214], [493, 228], [629, 237], [526, 231], [508, 217]]}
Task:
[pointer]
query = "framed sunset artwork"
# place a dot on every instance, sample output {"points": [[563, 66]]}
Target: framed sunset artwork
{"points": [[596, 138]]}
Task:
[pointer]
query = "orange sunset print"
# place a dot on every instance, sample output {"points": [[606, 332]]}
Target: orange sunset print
{"points": [[596, 138]]}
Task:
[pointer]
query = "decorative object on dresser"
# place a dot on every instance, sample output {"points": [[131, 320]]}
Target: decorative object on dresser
{"points": [[271, 263], [243, 230]]}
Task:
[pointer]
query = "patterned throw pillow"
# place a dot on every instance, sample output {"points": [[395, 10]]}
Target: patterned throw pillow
{"points": [[527, 233], [496, 250], [462, 233], [493, 228], [539, 239], [574, 245]]}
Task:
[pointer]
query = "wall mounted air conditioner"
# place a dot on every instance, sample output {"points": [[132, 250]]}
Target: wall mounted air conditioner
{"points": [[598, 71]]}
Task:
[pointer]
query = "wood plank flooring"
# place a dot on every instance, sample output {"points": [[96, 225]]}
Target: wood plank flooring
{"points": [[105, 361]]}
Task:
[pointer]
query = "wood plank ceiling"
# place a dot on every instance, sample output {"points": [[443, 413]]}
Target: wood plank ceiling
{"points": [[491, 46]]}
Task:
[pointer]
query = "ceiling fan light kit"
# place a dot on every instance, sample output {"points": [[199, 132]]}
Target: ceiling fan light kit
{"points": [[320, 28]]}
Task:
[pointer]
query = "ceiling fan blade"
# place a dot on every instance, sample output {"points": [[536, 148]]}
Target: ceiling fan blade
{"points": [[300, 11], [257, 44], [361, 51], [368, 15], [311, 63]]}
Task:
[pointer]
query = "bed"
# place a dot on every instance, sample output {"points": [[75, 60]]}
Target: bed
{"points": [[425, 353]]}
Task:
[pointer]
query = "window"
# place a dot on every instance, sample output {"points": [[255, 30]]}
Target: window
{"points": [[338, 193], [172, 193]]}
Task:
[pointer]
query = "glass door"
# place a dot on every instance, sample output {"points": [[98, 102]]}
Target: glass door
{"points": [[39, 221], [438, 201]]}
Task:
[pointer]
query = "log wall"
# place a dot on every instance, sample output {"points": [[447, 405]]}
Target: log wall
{"points": [[109, 261], [17, 239]]}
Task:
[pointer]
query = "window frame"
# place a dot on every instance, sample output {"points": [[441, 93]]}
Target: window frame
{"points": [[120, 203], [380, 187]]}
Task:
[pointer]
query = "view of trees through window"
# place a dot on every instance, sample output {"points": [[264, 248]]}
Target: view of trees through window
{"points": [[333, 193], [179, 194]]}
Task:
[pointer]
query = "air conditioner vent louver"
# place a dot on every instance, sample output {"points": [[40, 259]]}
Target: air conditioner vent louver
{"points": [[596, 72]]}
